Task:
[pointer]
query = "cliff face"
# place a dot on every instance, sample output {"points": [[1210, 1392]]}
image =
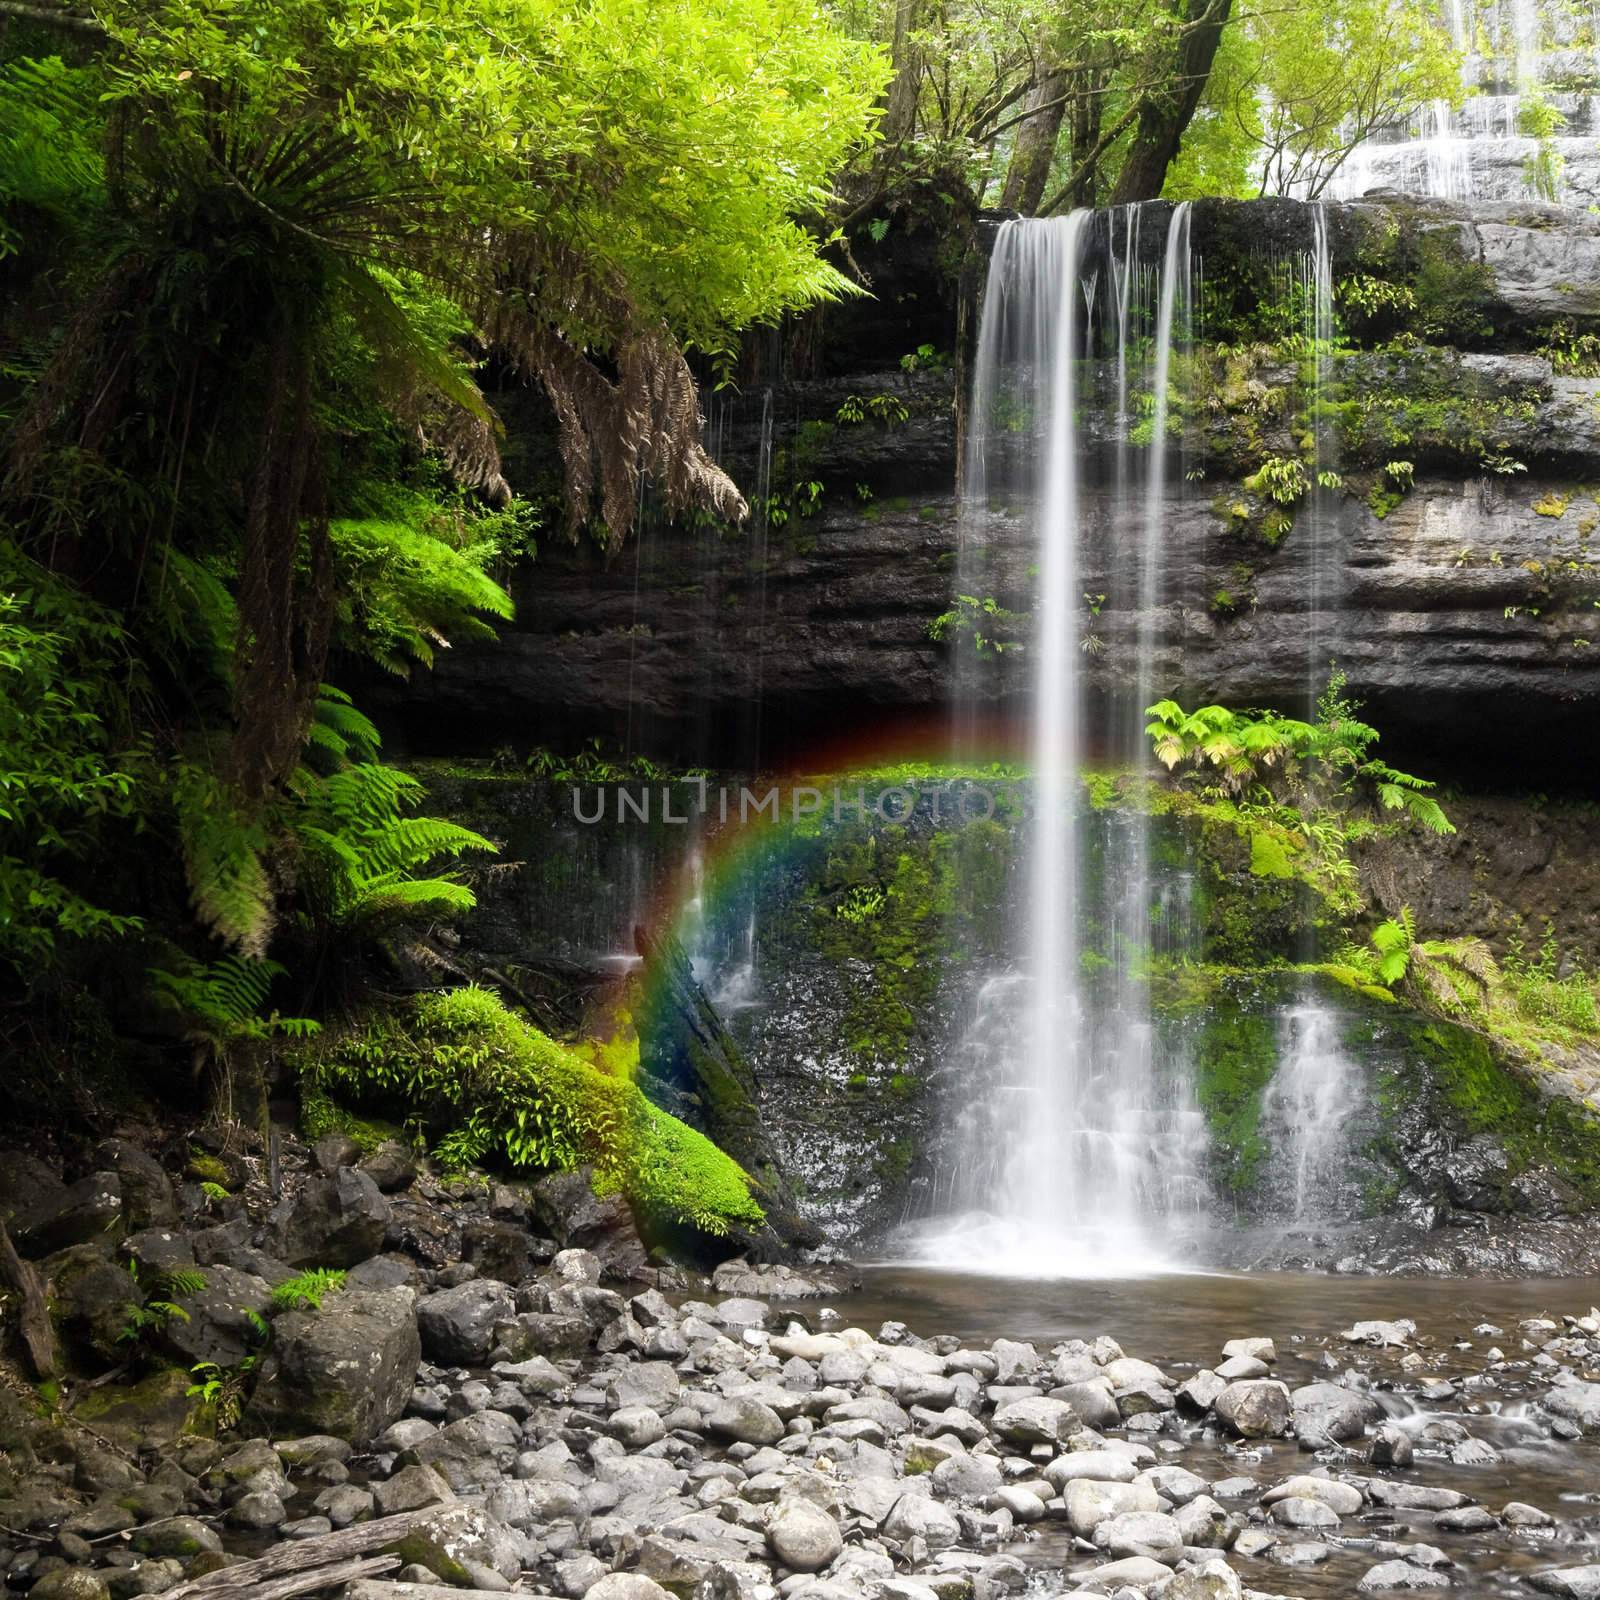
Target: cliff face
{"points": [[1459, 596]]}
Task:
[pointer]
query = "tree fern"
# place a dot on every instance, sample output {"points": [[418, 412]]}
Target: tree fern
{"points": [[223, 856], [49, 150]]}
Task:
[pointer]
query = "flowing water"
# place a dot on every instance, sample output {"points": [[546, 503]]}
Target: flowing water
{"points": [[1306, 1112]]}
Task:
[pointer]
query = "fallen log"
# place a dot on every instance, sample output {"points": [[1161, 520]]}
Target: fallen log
{"points": [[307, 1564]]}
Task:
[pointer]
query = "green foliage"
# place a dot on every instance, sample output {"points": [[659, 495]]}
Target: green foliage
{"points": [[1393, 941], [1295, 88], [1539, 120], [64, 671], [1282, 479], [155, 1305], [221, 1390], [221, 1002], [1572, 353], [483, 1082], [992, 628], [307, 1290]]}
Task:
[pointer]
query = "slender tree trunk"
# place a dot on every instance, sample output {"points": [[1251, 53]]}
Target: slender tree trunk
{"points": [[1164, 117], [900, 109], [1035, 147], [1086, 109]]}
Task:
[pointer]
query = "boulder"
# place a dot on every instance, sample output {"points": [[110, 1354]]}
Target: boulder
{"points": [[1329, 1411], [459, 1540], [1577, 1402], [222, 1322], [1036, 1419], [1257, 1408], [917, 1516], [71, 1583], [566, 1205], [391, 1166], [745, 1420], [337, 1220], [1570, 1583], [25, 1181], [1401, 1575], [88, 1212], [497, 1250], [457, 1325], [1089, 1503], [147, 1197], [347, 1369]]}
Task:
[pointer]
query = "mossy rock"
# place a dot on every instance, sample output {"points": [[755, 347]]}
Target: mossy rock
{"points": [[150, 1414]]}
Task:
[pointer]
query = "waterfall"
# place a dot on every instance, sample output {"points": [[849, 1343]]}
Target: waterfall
{"points": [[1078, 1148], [1306, 1109]]}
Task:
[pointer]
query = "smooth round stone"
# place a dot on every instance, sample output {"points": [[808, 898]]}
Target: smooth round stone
{"points": [[803, 1536]]}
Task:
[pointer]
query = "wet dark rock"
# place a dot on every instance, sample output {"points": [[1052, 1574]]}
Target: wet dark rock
{"points": [[457, 1325], [391, 1166], [497, 1250], [222, 1322], [88, 1212], [147, 1197], [565, 1203], [337, 1220]]}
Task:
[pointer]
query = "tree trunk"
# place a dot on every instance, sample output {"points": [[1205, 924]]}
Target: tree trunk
{"points": [[1035, 146], [1086, 109], [900, 109], [1164, 117]]}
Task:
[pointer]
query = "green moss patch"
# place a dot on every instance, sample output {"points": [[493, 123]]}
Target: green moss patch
{"points": [[483, 1082]]}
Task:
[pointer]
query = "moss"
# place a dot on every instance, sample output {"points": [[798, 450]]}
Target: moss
{"points": [[1269, 857], [204, 1168], [483, 1081], [1235, 1056], [420, 1550], [1535, 1130], [319, 1115]]}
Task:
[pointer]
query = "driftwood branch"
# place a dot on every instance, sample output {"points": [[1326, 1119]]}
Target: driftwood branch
{"points": [[38, 1336], [307, 1564]]}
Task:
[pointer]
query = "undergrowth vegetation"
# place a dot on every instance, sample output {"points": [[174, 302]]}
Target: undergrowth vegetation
{"points": [[480, 1084]]}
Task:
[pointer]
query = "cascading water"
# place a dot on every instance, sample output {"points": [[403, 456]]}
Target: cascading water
{"points": [[1080, 1147], [1306, 1110]]}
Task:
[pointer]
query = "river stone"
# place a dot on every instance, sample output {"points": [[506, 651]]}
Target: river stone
{"points": [[175, 1536], [346, 1370], [262, 1509], [1380, 1333], [1577, 1402], [919, 1516], [1237, 1367], [1300, 1511], [645, 1383], [1092, 1400], [530, 1503], [1036, 1420], [1216, 1580], [1392, 1447], [410, 1489], [1519, 1514], [1343, 1498], [1331, 1411], [1571, 1583], [1136, 1572], [1205, 1525], [457, 1325], [802, 1536], [1401, 1575], [1104, 1466], [746, 1421], [626, 1586], [1174, 1483], [968, 1477], [1090, 1503], [1256, 1408], [337, 1220], [71, 1583], [1256, 1349], [1199, 1393], [1140, 1533]]}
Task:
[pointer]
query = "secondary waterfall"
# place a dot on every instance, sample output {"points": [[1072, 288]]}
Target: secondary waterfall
{"points": [[1306, 1110]]}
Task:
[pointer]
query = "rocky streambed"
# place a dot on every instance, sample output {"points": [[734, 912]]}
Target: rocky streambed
{"points": [[574, 1422]]}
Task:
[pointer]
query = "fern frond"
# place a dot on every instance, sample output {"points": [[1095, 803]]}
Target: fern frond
{"points": [[223, 854]]}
